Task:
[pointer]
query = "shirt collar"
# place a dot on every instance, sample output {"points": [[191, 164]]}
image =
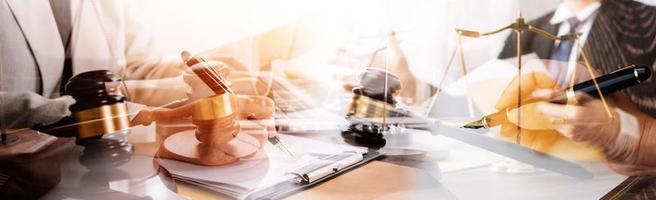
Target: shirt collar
{"points": [[563, 13]]}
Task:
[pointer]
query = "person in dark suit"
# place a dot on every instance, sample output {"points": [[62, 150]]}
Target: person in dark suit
{"points": [[614, 34]]}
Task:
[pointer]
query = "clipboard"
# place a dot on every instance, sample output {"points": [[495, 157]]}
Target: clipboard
{"points": [[277, 180], [314, 174]]}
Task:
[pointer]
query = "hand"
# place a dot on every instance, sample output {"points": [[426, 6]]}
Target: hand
{"points": [[259, 110], [245, 83], [538, 138], [544, 132], [585, 119]]}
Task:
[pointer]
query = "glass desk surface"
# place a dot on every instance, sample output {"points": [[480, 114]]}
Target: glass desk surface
{"points": [[462, 172]]}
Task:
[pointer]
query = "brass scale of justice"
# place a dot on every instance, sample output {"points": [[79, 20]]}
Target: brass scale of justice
{"points": [[370, 115]]}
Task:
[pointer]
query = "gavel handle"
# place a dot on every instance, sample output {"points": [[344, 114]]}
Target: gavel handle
{"points": [[65, 127]]}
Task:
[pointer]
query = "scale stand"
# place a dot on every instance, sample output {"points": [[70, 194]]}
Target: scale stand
{"points": [[519, 27]]}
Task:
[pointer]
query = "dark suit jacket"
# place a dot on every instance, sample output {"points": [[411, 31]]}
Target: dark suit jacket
{"points": [[623, 33]]}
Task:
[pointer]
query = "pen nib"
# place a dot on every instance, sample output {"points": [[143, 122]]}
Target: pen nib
{"points": [[277, 143], [474, 125]]}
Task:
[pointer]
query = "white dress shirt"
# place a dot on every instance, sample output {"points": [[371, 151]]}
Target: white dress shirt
{"points": [[586, 18]]}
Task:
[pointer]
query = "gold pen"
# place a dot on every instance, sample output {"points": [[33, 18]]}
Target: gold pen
{"points": [[275, 141], [597, 87]]}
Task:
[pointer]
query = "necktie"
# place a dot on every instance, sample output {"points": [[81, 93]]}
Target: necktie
{"points": [[564, 48]]}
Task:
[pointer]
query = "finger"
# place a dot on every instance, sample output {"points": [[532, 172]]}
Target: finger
{"points": [[529, 82], [508, 130], [250, 86], [559, 114], [511, 132], [579, 133], [546, 94], [554, 96], [571, 114], [543, 139], [527, 138], [255, 107], [144, 117], [580, 97], [570, 132], [529, 117], [540, 140], [219, 67]]}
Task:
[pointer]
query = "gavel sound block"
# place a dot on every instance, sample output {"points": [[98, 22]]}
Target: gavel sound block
{"points": [[370, 102], [218, 138]]}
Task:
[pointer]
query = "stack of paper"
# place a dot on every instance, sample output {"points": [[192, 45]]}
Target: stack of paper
{"points": [[268, 168]]}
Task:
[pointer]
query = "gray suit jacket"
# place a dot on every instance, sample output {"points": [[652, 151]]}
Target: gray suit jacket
{"points": [[32, 54]]}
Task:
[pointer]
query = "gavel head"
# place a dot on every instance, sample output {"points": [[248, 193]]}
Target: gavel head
{"points": [[215, 118], [214, 114], [100, 110], [374, 98], [97, 111]]}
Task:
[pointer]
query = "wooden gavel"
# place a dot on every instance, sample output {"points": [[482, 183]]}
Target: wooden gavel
{"points": [[218, 137]]}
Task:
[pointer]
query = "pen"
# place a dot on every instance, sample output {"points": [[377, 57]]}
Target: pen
{"points": [[206, 73], [609, 83], [219, 85]]}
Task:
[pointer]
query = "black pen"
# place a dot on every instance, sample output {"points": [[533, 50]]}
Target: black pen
{"points": [[609, 83]]}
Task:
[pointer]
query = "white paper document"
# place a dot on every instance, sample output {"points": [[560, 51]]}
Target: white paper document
{"points": [[265, 169]]}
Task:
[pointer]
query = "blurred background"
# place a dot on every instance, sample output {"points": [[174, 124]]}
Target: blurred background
{"points": [[424, 28]]}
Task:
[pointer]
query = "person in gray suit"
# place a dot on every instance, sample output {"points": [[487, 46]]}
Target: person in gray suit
{"points": [[45, 42]]}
